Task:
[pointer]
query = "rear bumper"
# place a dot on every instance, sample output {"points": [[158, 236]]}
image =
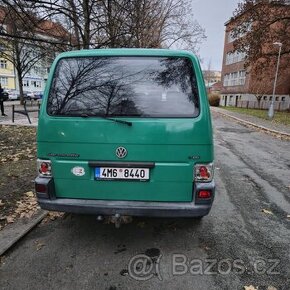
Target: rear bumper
{"points": [[132, 208]]}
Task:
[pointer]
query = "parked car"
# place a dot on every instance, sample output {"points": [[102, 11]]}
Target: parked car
{"points": [[32, 95], [11, 95]]}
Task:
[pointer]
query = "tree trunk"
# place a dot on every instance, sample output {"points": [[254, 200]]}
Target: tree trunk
{"points": [[20, 84], [86, 38]]}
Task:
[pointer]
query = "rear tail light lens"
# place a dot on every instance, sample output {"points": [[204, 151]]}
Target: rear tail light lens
{"points": [[44, 168], [203, 172], [204, 194], [40, 188]]}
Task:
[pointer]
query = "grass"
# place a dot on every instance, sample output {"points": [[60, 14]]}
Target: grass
{"points": [[279, 117]]}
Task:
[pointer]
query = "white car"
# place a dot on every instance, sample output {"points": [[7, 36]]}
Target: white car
{"points": [[13, 95]]}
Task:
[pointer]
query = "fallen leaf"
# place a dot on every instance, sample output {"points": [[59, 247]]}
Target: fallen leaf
{"points": [[266, 211], [10, 219], [1, 202], [251, 287], [29, 194], [51, 216], [271, 288], [39, 245]]}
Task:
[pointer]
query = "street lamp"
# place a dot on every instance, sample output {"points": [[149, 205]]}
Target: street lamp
{"points": [[271, 107]]}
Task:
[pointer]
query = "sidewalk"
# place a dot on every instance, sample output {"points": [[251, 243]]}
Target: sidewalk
{"points": [[266, 125], [20, 120]]}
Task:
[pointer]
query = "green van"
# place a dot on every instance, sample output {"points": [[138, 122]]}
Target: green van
{"points": [[126, 132]]}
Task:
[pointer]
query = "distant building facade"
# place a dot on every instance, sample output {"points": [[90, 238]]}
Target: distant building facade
{"points": [[211, 77], [7, 74], [239, 85], [35, 79]]}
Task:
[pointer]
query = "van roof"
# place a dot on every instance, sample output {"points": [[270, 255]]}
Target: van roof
{"points": [[127, 52]]}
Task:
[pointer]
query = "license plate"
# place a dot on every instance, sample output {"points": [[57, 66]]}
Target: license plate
{"points": [[122, 173]]}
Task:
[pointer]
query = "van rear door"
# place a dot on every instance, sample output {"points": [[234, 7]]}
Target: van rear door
{"points": [[125, 128]]}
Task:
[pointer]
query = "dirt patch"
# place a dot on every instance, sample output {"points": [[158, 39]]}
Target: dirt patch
{"points": [[17, 167]]}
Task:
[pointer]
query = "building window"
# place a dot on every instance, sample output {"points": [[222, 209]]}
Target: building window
{"points": [[4, 81], [247, 26], [283, 99], [3, 64], [3, 28], [277, 99], [36, 84], [270, 98], [234, 57], [25, 83], [265, 98], [237, 78]]}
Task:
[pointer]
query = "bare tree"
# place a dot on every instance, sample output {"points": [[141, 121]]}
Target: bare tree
{"points": [[208, 74], [121, 23], [21, 44]]}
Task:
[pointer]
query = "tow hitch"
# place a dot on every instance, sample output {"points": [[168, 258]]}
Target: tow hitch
{"points": [[115, 219]]}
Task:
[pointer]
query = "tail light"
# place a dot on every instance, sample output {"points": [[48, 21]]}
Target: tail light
{"points": [[44, 168], [203, 172], [204, 194]]}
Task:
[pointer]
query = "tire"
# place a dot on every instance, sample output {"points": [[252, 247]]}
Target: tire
{"points": [[198, 218]]}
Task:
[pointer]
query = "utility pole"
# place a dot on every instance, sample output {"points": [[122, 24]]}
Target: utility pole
{"points": [[271, 108]]}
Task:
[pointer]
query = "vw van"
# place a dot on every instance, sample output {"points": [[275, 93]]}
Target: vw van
{"points": [[126, 132]]}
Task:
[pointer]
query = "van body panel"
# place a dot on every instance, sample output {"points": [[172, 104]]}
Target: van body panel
{"points": [[173, 145]]}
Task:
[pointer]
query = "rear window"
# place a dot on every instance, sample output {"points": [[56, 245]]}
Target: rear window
{"points": [[124, 86]]}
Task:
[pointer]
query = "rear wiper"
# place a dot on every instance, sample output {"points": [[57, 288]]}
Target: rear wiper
{"points": [[107, 118]]}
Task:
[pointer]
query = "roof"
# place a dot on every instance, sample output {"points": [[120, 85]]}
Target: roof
{"points": [[127, 52], [44, 27], [53, 29]]}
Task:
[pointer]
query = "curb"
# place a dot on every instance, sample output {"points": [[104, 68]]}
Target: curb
{"points": [[283, 134], [11, 234], [4, 123]]}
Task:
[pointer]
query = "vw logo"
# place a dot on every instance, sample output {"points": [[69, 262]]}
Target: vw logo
{"points": [[121, 152]]}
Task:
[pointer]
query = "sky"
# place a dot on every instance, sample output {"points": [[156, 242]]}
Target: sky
{"points": [[212, 15]]}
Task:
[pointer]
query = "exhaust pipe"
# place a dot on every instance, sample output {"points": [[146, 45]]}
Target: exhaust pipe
{"points": [[117, 220]]}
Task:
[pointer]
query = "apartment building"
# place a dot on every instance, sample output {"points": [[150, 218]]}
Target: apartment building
{"points": [[242, 87], [7, 74], [35, 79]]}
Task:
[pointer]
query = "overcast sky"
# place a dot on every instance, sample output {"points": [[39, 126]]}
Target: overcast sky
{"points": [[211, 15]]}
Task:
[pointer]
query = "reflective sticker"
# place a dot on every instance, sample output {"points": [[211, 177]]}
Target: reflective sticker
{"points": [[78, 171]]}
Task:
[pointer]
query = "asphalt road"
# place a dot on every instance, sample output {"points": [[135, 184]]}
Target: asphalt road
{"points": [[244, 241]]}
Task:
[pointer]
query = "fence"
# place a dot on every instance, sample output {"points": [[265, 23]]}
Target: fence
{"points": [[263, 105]]}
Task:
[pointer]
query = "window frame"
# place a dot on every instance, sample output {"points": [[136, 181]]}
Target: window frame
{"points": [[130, 56]]}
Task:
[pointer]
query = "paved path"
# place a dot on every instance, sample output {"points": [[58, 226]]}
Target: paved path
{"points": [[271, 125], [19, 119]]}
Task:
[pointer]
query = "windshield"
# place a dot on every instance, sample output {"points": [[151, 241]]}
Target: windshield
{"points": [[124, 86]]}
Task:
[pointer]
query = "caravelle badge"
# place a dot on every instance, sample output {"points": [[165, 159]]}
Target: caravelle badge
{"points": [[121, 152]]}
